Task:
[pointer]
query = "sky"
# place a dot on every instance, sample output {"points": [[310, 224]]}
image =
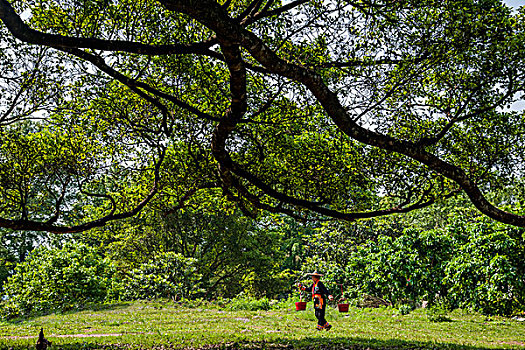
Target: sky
{"points": [[520, 105], [514, 3]]}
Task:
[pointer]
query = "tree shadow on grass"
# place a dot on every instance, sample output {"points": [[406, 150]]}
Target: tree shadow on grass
{"points": [[310, 343], [339, 343], [72, 346]]}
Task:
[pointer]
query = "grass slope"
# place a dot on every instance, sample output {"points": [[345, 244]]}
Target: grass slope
{"points": [[165, 325]]}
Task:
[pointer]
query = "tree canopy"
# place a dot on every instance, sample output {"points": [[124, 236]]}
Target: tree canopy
{"points": [[345, 109]]}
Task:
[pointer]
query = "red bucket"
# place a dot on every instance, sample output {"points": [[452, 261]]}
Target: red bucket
{"points": [[343, 307], [300, 305]]}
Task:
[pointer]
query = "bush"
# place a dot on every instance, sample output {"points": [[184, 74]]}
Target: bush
{"points": [[477, 265], [57, 279], [404, 309], [249, 304], [438, 313], [402, 270], [486, 273]]}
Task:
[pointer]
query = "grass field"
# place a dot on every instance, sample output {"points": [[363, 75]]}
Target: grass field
{"points": [[165, 325]]}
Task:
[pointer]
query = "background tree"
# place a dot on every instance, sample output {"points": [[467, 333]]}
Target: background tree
{"points": [[230, 252]]}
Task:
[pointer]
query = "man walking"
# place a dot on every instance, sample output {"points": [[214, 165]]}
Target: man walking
{"points": [[319, 295]]}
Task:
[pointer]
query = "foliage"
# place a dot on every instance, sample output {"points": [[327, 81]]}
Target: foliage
{"points": [[404, 309], [241, 302], [345, 110], [57, 278], [486, 272], [438, 313], [231, 253], [7, 260], [15, 247], [166, 275], [6, 267], [476, 265]]}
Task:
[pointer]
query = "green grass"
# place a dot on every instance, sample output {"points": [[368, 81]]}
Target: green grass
{"points": [[165, 325]]}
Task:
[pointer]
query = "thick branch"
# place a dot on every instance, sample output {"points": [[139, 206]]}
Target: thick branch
{"points": [[215, 18], [23, 32], [30, 225]]}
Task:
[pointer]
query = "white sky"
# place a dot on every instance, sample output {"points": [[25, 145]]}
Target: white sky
{"points": [[514, 3], [520, 105]]}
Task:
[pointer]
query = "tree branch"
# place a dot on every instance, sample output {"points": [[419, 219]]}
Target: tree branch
{"points": [[269, 13], [134, 84], [23, 32], [211, 15], [428, 141], [30, 225]]}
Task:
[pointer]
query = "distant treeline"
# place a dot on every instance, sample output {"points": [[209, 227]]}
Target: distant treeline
{"points": [[452, 259]]}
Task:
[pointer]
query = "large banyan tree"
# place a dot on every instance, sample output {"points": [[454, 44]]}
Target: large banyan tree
{"points": [[343, 109]]}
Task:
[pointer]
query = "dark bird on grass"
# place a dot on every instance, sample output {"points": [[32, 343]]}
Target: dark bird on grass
{"points": [[42, 343]]}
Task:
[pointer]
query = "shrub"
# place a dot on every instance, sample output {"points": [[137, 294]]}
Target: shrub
{"points": [[486, 273], [476, 265], [57, 279], [438, 313], [401, 270], [250, 304], [404, 309]]}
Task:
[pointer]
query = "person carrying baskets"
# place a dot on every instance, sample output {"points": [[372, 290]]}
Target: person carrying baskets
{"points": [[319, 295]]}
